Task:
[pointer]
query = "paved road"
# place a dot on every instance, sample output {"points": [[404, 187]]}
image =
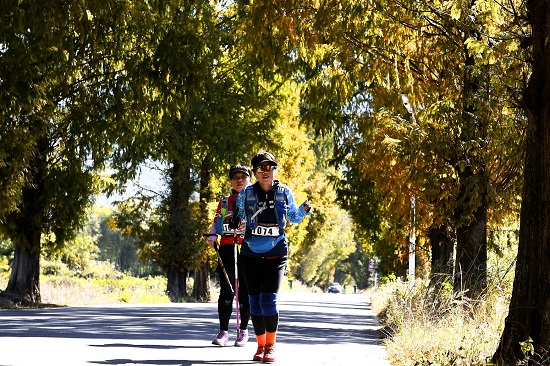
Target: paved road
{"points": [[315, 329]]}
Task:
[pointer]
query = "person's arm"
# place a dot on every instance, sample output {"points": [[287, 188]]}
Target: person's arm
{"points": [[240, 203], [295, 213], [213, 237], [238, 215]]}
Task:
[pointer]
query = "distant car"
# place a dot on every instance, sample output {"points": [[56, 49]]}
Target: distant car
{"points": [[334, 287]]}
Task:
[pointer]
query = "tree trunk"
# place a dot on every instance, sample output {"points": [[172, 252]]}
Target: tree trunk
{"points": [[471, 213], [529, 313], [175, 231], [471, 256], [177, 284], [24, 279], [25, 231], [442, 254], [201, 287]]}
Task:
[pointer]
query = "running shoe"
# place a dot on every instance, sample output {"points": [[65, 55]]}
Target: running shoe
{"points": [[242, 338], [269, 353], [222, 338], [259, 354]]}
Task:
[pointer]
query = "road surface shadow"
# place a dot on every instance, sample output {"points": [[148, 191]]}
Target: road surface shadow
{"points": [[314, 322], [172, 362]]}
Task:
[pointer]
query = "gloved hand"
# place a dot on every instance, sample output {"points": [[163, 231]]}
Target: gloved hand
{"points": [[306, 206], [235, 221]]}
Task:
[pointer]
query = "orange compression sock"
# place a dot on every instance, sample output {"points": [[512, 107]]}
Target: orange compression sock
{"points": [[270, 337], [261, 339]]}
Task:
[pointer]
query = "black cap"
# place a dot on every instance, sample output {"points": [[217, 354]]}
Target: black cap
{"points": [[238, 168], [262, 157]]}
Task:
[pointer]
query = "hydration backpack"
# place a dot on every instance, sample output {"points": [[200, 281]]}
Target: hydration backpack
{"points": [[222, 221], [276, 201]]}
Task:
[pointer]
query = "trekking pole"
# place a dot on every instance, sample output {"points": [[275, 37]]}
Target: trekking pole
{"points": [[235, 243], [223, 268], [221, 265], [236, 279]]}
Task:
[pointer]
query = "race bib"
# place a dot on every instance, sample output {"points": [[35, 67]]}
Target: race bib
{"points": [[266, 231], [227, 230]]}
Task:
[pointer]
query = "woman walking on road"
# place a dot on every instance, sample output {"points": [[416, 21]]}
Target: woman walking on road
{"points": [[265, 206], [239, 177]]}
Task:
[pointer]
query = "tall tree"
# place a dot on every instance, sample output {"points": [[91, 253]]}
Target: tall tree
{"points": [[210, 109], [319, 247], [529, 313], [59, 63], [470, 216], [359, 61]]}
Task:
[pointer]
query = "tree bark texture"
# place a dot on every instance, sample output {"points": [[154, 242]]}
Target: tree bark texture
{"points": [[26, 232], [471, 212], [176, 283], [471, 256], [442, 248], [175, 236], [201, 287], [529, 312], [24, 279]]}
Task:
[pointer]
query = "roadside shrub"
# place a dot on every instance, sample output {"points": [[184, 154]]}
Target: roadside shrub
{"points": [[432, 325]]}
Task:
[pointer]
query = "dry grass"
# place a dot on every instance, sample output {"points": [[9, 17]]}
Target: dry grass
{"points": [[428, 325], [76, 291], [66, 290], [103, 286]]}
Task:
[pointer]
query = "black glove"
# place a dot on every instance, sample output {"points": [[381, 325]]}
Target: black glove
{"points": [[234, 221]]}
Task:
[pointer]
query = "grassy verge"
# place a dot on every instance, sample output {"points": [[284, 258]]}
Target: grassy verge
{"points": [[103, 286], [76, 291], [432, 325]]}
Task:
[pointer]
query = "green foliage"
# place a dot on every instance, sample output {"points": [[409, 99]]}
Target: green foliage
{"points": [[197, 86], [63, 106], [356, 266], [384, 280], [116, 248], [320, 244], [6, 248], [527, 349], [77, 255], [360, 198], [319, 260], [6, 255], [455, 146], [209, 110], [96, 243], [183, 247]]}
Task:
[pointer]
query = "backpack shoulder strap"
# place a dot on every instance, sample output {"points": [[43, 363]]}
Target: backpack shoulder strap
{"points": [[281, 193]]}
